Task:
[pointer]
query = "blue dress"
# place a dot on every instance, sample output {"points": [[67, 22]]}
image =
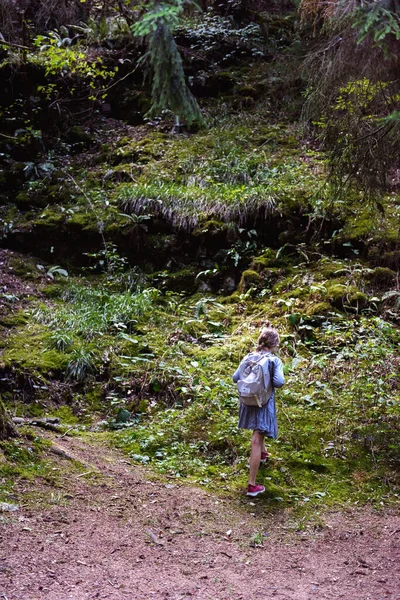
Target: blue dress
{"points": [[262, 419]]}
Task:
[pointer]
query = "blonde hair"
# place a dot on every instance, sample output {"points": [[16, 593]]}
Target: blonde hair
{"points": [[269, 338]]}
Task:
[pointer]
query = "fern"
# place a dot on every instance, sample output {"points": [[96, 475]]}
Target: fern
{"points": [[378, 22]]}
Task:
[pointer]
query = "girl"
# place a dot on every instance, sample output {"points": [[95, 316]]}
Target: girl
{"points": [[262, 420]]}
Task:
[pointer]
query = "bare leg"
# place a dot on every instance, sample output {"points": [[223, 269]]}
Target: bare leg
{"points": [[257, 441]]}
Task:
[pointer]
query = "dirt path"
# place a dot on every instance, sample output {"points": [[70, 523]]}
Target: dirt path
{"points": [[112, 533]]}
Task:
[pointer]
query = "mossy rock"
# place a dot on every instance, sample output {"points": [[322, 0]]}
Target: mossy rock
{"points": [[320, 308], [77, 135], [391, 259], [127, 154], [211, 227], [276, 136], [250, 279], [327, 269], [23, 267], [83, 221], [52, 290], [24, 200], [151, 147], [346, 296], [6, 428], [50, 218], [27, 350], [265, 260], [181, 281]]}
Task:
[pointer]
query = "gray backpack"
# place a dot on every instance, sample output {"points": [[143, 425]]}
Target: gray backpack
{"points": [[252, 386]]}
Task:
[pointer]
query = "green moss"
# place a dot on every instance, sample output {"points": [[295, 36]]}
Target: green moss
{"points": [[94, 398], [77, 135], [53, 290], [24, 267], [266, 260], [181, 281], [249, 279], [345, 296], [51, 217], [27, 349], [66, 415], [85, 221], [320, 308], [211, 227], [328, 269], [14, 320], [6, 428], [390, 259]]}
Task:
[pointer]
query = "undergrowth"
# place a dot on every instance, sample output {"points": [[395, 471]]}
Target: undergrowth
{"points": [[166, 360]]}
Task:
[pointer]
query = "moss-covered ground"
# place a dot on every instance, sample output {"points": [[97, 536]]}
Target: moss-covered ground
{"points": [[153, 368]]}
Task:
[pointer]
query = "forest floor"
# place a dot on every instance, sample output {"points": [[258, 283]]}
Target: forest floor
{"points": [[112, 530], [101, 527]]}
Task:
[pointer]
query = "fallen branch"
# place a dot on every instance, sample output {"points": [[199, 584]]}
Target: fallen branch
{"points": [[13, 45], [50, 423]]}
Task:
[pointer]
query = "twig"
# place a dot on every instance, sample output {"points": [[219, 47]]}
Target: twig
{"points": [[43, 423], [66, 432], [286, 415], [103, 90], [9, 137], [13, 45], [85, 473]]}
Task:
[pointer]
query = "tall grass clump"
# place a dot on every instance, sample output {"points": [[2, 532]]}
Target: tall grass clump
{"points": [[91, 311]]}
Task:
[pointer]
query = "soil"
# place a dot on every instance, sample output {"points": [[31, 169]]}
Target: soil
{"points": [[110, 530]]}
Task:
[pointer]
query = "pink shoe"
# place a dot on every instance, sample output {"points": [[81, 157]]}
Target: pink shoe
{"points": [[264, 456], [254, 490]]}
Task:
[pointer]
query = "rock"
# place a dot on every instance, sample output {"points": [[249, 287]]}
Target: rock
{"points": [[6, 507]]}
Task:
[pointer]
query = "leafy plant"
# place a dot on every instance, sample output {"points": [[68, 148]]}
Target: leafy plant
{"points": [[81, 365], [59, 57], [52, 272]]}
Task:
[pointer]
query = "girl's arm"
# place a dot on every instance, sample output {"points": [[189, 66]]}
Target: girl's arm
{"points": [[278, 379], [235, 376]]}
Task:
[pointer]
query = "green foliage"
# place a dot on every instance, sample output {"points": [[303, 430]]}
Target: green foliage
{"points": [[24, 460], [231, 173], [337, 417], [60, 58], [377, 21], [29, 349], [81, 365], [354, 95], [89, 311], [168, 14]]}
